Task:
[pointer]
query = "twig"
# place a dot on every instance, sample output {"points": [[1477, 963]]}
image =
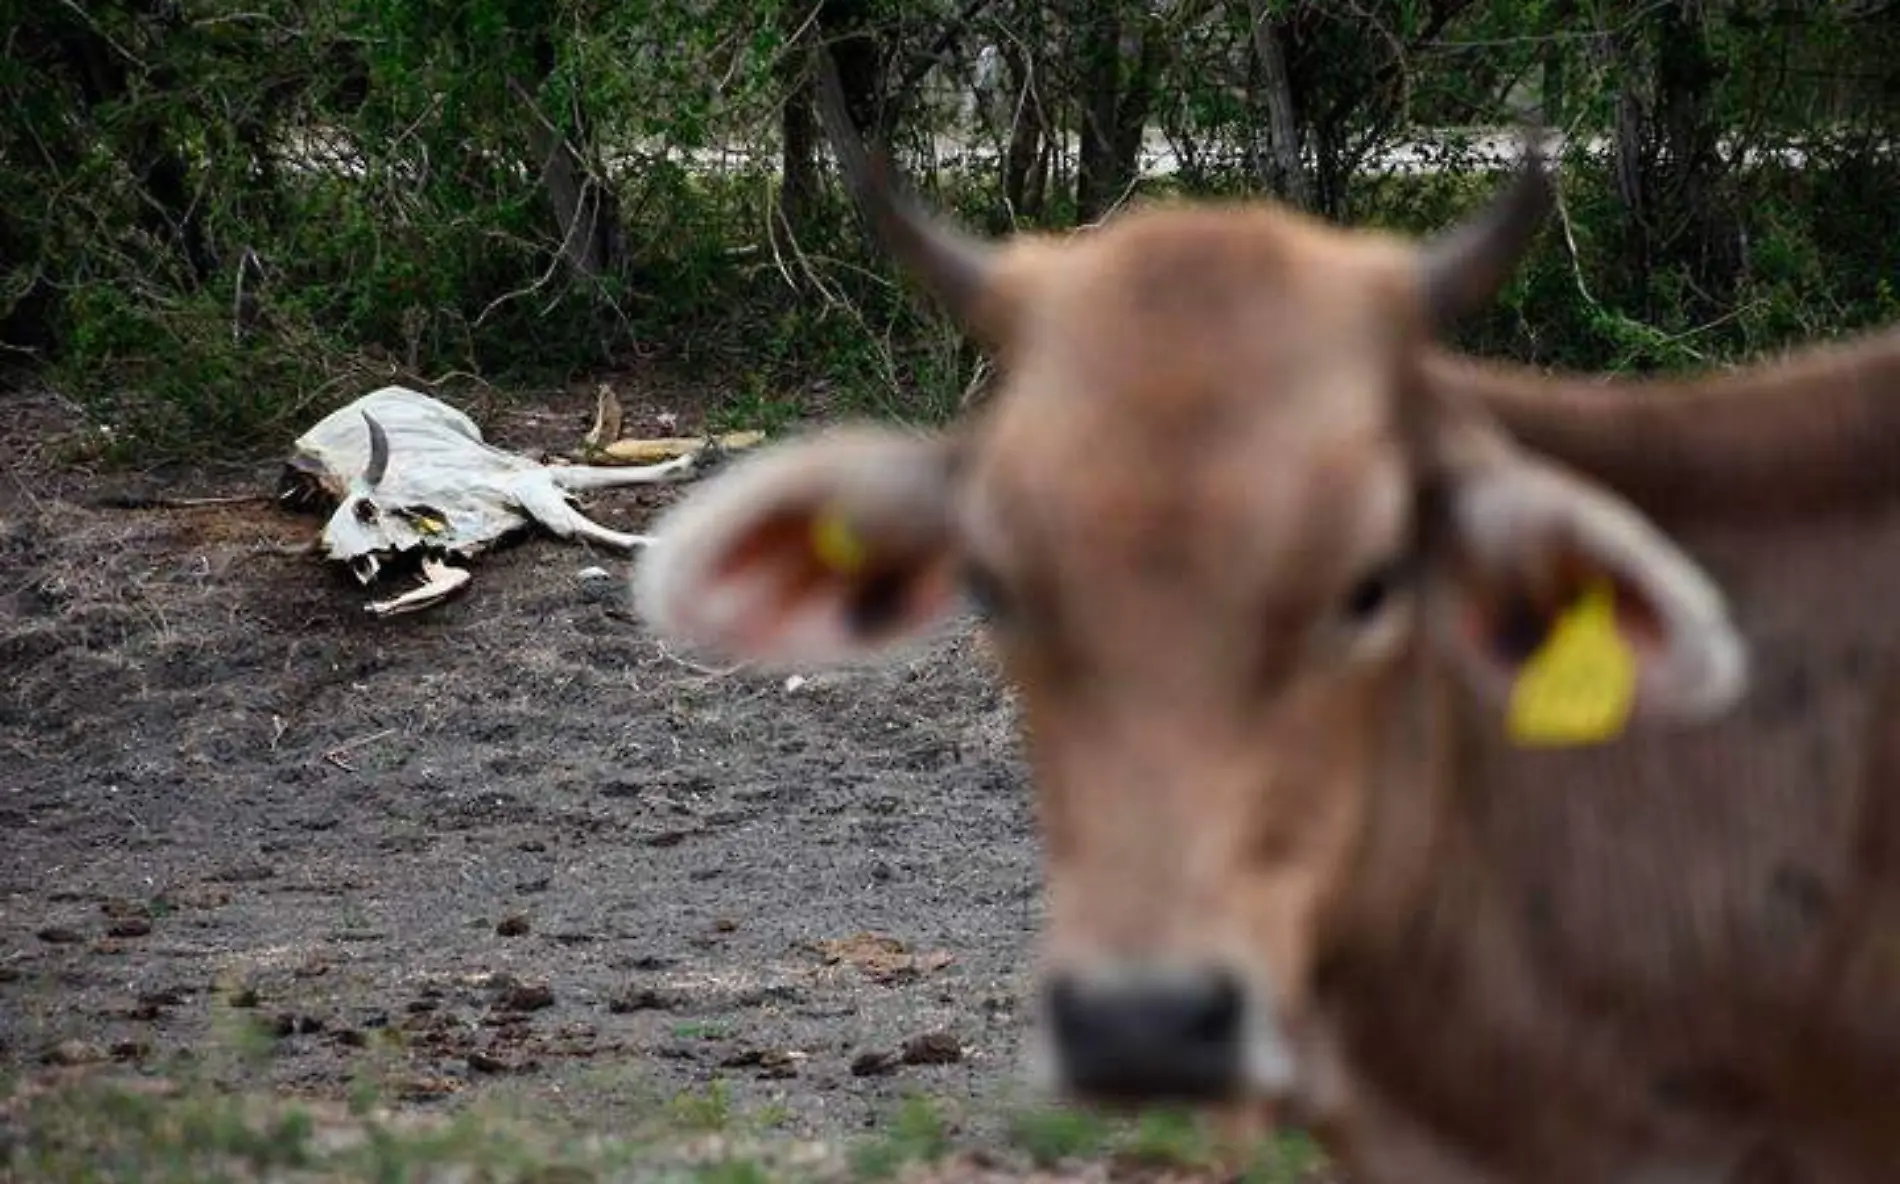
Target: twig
{"points": [[696, 668], [335, 755], [1570, 241], [133, 502], [247, 262]]}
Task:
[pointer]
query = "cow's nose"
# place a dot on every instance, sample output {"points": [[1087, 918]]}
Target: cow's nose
{"points": [[1149, 1038]]}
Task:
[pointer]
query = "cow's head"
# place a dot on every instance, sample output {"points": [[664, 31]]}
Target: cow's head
{"points": [[1230, 544], [370, 523]]}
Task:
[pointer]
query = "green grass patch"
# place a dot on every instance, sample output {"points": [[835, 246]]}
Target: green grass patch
{"points": [[148, 1130], [917, 1134]]}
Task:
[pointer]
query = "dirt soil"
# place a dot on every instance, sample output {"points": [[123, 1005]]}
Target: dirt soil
{"points": [[515, 830]]}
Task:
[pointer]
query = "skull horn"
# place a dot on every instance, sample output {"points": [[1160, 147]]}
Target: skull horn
{"points": [[378, 452], [1464, 268], [952, 266]]}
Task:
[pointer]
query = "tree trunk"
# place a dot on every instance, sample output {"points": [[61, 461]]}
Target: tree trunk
{"points": [[1118, 66], [845, 27], [1022, 186], [1562, 14], [593, 240], [798, 145], [587, 212], [1098, 57], [1668, 165], [1277, 154]]}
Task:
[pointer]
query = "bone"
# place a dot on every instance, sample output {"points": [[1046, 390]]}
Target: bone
{"points": [[547, 506], [439, 581], [580, 478]]}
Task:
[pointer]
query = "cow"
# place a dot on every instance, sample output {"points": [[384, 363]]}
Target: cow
{"points": [[1491, 771]]}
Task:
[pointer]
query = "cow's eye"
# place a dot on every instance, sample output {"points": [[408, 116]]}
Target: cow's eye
{"points": [[1372, 591], [986, 592]]}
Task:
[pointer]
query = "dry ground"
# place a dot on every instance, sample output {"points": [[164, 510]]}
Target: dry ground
{"points": [[509, 851]]}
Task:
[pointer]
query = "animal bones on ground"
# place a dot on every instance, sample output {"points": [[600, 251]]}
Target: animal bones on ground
{"points": [[409, 475]]}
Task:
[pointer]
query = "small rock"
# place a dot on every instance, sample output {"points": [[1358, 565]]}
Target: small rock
{"points": [[536, 884], [725, 925], [527, 997], [873, 1064], [643, 999], [597, 585], [291, 1024], [244, 997], [767, 995], [513, 925], [779, 1064], [418, 1006], [61, 935], [507, 1021], [933, 1048], [192, 896], [531, 846], [73, 1052], [244, 873], [130, 1050], [129, 927], [422, 1089], [352, 1038], [487, 1062]]}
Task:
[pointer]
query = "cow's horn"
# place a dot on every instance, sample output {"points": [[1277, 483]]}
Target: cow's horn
{"points": [[952, 265], [378, 452], [1464, 267]]}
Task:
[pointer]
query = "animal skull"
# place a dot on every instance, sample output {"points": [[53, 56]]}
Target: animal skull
{"points": [[409, 475]]}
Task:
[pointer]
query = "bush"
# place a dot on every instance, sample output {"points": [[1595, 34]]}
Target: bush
{"points": [[218, 221]]}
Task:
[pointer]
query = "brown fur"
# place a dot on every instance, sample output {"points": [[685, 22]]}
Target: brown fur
{"points": [[1674, 957], [1813, 431], [1542, 966]]}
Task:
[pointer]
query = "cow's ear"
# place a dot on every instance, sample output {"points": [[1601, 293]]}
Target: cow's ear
{"points": [[1570, 611], [814, 551]]}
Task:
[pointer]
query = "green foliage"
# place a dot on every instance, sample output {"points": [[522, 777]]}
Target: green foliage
{"points": [[219, 220], [917, 1134], [1052, 1134], [1157, 1140]]}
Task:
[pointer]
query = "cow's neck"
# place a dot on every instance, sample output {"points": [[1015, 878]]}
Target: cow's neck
{"points": [[1811, 431], [1668, 925]]}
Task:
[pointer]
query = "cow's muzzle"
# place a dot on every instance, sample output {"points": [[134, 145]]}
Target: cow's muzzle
{"points": [[1140, 1037]]}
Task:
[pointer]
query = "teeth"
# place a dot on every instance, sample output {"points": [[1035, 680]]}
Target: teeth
{"points": [[439, 580]]}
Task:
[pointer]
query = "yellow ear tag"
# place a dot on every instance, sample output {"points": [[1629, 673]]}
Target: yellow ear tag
{"points": [[1580, 686], [837, 545]]}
